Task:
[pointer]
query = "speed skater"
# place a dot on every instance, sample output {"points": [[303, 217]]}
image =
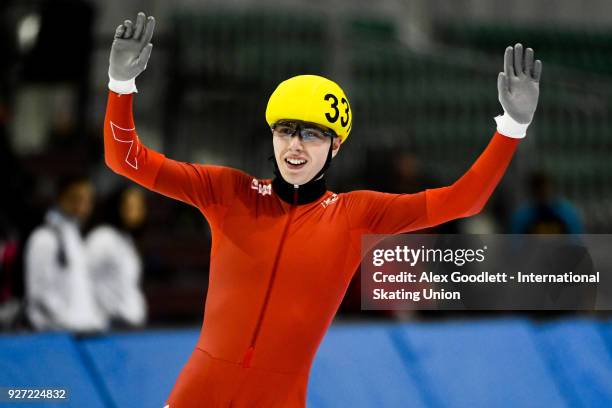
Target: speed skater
{"points": [[284, 250]]}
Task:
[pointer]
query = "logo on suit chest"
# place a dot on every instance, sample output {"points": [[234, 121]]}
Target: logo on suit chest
{"points": [[263, 189], [329, 200]]}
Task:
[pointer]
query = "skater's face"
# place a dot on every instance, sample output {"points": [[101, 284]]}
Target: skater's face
{"points": [[301, 149]]}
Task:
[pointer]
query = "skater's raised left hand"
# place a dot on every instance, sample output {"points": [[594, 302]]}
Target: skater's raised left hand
{"points": [[519, 84]]}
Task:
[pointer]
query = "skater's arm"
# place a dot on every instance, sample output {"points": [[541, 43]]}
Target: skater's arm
{"points": [[198, 185], [125, 154], [123, 151], [518, 89], [468, 195], [384, 213]]}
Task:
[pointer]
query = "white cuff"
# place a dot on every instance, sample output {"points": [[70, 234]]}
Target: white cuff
{"points": [[122, 87], [510, 127]]}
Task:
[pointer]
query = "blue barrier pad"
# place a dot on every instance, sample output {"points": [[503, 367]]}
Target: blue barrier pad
{"points": [[139, 369], [605, 329], [581, 363], [47, 361], [493, 363], [501, 363], [359, 366]]}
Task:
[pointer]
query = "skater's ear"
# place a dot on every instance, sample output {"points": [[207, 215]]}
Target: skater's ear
{"points": [[336, 142]]}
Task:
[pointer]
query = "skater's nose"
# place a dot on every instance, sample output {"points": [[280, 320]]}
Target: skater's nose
{"points": [[295, 143]]}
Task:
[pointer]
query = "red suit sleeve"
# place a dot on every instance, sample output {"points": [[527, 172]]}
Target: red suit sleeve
{"points": [[204, 186], [383, 213]]}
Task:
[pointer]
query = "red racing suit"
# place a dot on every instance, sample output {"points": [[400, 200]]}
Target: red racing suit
{"points": [[278, 271]]}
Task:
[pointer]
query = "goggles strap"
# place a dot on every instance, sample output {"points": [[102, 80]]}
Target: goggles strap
{"points": [[327, 162]]}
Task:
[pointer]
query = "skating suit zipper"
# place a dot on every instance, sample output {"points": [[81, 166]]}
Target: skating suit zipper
{"points": [[248, 355]]}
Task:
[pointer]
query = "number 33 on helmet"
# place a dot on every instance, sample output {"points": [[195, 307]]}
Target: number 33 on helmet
{"points": [[311, 98]]}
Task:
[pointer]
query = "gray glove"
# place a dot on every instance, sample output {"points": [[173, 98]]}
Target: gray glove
{"points": [[519, 84], [131, 48]]}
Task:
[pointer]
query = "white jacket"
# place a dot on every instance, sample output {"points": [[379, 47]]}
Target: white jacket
{"points": [[116, 271], [60, 295]]}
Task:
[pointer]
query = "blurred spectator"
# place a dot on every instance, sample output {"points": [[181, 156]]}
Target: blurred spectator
{"points": [[545, 213], [116, 266], [408, 174], [59, 289], [10, 306]]}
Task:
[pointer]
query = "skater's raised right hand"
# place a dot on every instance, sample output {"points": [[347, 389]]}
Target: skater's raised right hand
{"points": [[131, 48]]}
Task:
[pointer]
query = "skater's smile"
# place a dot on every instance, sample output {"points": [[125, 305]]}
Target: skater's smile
{"points": [[301, 149]]}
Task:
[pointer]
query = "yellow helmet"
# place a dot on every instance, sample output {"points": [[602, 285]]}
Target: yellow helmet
{"points": [[311, 98]]}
